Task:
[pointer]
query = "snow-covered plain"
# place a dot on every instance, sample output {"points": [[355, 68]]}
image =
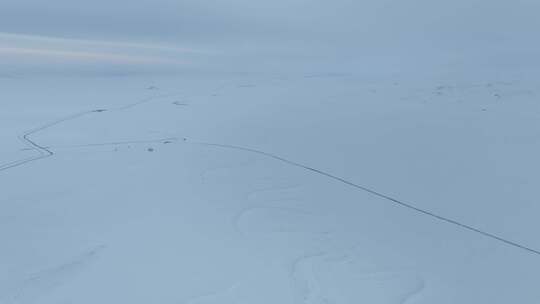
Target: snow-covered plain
{"points": [[236, 169]]}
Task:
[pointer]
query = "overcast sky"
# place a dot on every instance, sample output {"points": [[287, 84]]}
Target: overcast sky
{"points": [[345, 28], [197, 20]]}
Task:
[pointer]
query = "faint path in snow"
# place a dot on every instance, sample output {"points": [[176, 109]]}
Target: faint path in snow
{"points": [[303, 272], [276, 190], [276, 213], [314, 286], [395, 201], [268, 211], [217, 297], [305, 282], [32, 288]]}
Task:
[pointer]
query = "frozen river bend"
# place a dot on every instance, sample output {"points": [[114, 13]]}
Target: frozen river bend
{"points": [[202, 187]]}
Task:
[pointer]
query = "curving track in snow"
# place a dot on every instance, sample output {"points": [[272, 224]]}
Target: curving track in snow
{"points": [[43, 152], [394, 201]]}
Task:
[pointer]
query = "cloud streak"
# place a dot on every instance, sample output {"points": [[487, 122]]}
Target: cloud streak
{"points": [[48, 40], [29, 50], [84, 57]]}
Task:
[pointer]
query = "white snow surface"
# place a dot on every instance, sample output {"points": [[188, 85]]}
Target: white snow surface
{"points": [[148, 170]]}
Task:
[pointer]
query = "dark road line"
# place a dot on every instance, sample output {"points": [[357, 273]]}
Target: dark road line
{"points": [[395, 201], [44, 152]]}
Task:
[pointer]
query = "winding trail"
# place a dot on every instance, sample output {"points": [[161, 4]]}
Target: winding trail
{"points": [[43, 151], [395, 201]]}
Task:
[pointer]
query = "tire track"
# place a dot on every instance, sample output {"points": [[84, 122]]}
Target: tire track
{"points": [[113, 143], [395, 201], [44, 152]]}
